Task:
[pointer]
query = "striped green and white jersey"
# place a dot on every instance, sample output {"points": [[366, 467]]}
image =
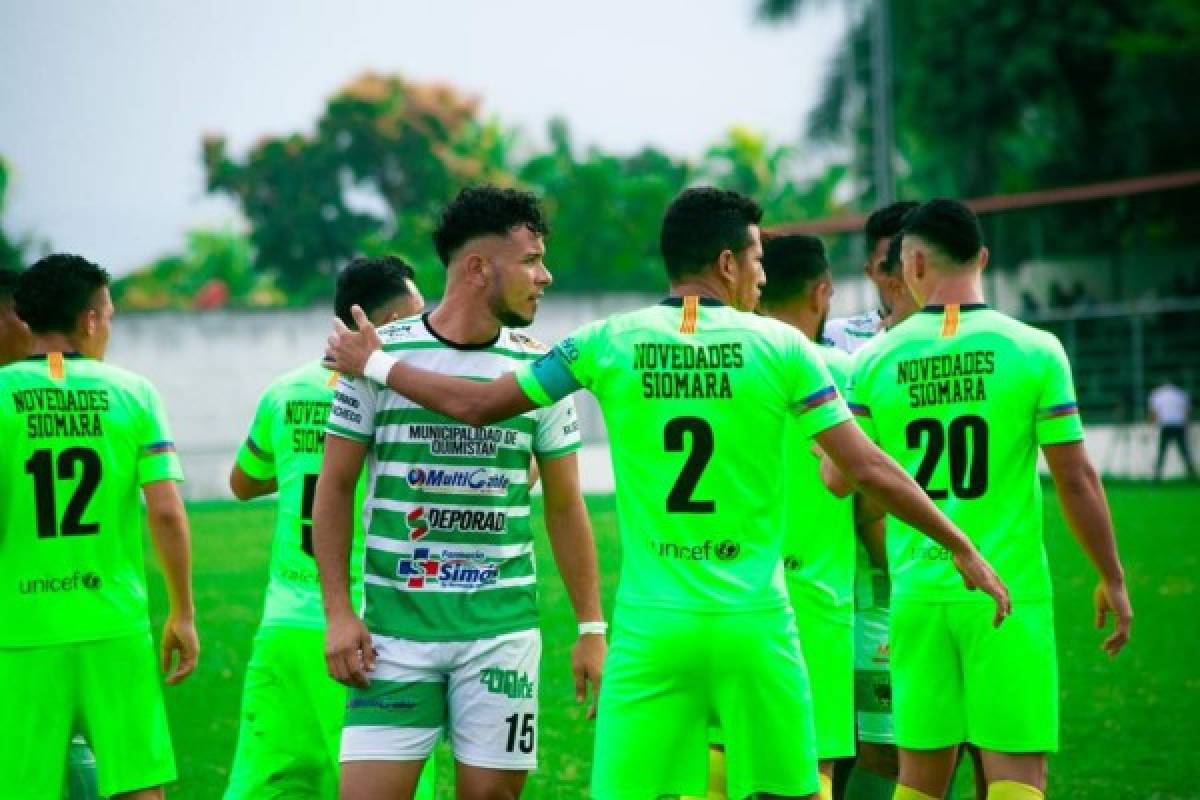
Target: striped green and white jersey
{"points": [[449, 549]]}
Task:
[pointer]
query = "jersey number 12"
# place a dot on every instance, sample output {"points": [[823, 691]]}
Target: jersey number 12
{"points": [[70, 462]]}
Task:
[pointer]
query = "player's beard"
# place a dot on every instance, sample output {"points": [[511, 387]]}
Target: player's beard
{"points": [[511, 319]]}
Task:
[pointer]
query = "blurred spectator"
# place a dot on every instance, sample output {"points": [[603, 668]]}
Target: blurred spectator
{"points": [[1029, 303], [1059, 299], [1170, 407]]}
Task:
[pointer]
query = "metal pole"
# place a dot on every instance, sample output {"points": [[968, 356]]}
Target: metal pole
{"points": [[881, 102]]}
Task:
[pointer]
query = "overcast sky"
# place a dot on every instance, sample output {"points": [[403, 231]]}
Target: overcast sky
{"points": [[103, 104]]}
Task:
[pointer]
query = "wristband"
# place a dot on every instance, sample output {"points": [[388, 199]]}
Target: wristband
{"points": [[378, 365], [600, 627]]}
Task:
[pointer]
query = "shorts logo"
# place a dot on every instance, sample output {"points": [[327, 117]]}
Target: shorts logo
{"points": [[458, 481], [88, 581], [725, 550], [421, 521], [508, 682], [792, 564], [448, 569]]}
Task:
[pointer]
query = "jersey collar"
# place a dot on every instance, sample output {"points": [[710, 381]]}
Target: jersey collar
{"points": [[42, 356], [457, 345], [938, 309], [677, 302]]}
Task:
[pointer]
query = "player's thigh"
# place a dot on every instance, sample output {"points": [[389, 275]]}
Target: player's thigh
{"points": [[399, 716], [492, 702], [1011, 678], [651, 724], [928, 702], [379, 780], [873, 678], [123, 714], [480, 783], [764, 705], [35, 732], [291, 720], [827, 641]]}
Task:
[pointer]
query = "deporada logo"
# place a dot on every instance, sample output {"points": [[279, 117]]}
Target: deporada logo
{"points": [[459, 481], [421, 521], [448, 569]]}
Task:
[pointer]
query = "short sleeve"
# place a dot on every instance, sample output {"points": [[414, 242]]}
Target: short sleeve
{"points": [[858, 390], [352, 414], [813, 397], [568, 367], [557, 431], [256, 456], [1058, 420], [157, 458]]}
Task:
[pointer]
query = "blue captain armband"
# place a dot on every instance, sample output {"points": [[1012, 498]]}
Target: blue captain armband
{"points": [[549, 379]]}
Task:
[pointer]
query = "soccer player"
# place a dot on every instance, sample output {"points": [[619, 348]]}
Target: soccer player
{"points": [[819, 544], [696, 396], [850, 333], [81, 437], [963, 396], [292, 711], [450, 637]]}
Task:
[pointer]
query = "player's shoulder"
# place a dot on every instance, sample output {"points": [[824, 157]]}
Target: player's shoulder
{"points": [[401, 332], [119, 377], [307, 376]]}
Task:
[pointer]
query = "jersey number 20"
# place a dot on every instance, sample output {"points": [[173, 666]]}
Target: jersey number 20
{"points": [[967, 437]]}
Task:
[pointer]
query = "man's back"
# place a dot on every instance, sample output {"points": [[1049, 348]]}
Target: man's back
{"points": [[1170, 405], [695, 396], [80, 437], [962, 397]]}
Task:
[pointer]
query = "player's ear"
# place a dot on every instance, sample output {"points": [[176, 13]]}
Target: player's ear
{"points": [[727, 267], [983, 257]]}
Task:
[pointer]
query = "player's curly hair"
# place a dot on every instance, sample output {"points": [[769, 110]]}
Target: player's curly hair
{"points": [[52, 293], [792, 263], [700, 224], [484, 211], [948, 226], [887, 221], [8, 283], [370, 283]]}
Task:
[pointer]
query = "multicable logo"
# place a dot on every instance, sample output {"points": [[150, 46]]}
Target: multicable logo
{"points": [[458, 481], [447, 569]]}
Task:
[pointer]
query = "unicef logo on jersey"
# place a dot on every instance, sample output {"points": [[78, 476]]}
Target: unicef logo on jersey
{"points": [[458, 481]]}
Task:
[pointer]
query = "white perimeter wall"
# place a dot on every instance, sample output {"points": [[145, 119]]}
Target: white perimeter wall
{"points": [[211, 368]]}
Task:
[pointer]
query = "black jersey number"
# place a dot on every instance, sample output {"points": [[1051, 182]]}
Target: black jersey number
{"points": [[306, 507], [523, 738], [680, 500], [967, 437], [71, 463]]}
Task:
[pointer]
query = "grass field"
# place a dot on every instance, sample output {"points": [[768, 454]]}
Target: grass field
{"points": [[1130, 726]]}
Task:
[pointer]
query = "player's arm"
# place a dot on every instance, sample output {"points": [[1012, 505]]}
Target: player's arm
{"points": [[245, 487], [870, 529], [473, 402], [349, 654], [883, 481], [1081, 495], [574, 549], [169, 531]]}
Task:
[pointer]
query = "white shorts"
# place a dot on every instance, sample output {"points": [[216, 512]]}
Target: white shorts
{"points": [[483, 692]]}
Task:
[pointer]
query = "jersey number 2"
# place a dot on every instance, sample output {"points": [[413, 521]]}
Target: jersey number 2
{"points": [[968, 440], [74, 460], [306, 506], [680, 500]]}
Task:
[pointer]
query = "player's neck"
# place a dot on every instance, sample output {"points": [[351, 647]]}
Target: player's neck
{"points": [[702, 286], [799, 318], [463, 321], [956, 290], [53, 343]]}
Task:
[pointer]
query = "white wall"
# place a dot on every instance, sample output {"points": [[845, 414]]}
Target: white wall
{"points": [[211, 368]]}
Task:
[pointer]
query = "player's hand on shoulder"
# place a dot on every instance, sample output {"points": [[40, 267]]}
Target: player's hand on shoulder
{"points": [[179, 636], [349, 653], [1112, 597], [587, 663], [978, 574], [349, 350]]}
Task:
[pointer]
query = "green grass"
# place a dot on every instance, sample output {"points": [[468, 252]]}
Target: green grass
{"points": [[1129, 726]]}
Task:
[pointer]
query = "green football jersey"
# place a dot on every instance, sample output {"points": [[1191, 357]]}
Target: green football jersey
{"points": [[80, 438], [962, 397], [287, 442], [449, 547], [819, 543], [697, 398]]}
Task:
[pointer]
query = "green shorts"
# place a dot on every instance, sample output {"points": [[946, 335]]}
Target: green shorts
{"points": [[672, 674], [109, 690], [958, 679], [827, 640], [872, 676]]}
